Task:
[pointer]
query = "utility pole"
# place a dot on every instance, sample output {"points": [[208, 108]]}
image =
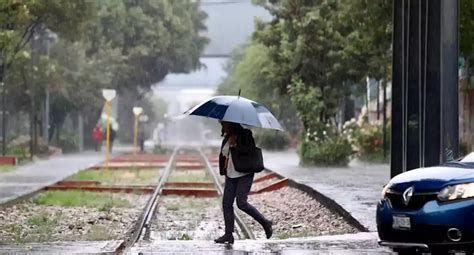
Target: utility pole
{"points": [[425, 117], [4, 108], [384, 127], [49, 39]]}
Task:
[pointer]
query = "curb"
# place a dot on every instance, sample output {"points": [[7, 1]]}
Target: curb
{"points": [[332, 205]]}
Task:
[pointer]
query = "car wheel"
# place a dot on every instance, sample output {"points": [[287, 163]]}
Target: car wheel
{"points": [[406, 251]]}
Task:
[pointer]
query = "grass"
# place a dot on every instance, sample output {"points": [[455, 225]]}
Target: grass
{"points": [[189, 176], [175, 203], [117, 176], [43, 225], [39, 219], [14, 232], [77, 198], [99, 233], [6, 168]]}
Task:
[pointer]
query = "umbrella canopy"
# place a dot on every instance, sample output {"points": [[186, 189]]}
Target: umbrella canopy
{"points": [[238, 110]]}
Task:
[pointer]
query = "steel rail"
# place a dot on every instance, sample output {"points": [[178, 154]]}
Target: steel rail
{"points": [[243, 227], [144, 223]]}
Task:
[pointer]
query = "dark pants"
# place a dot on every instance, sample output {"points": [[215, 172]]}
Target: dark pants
{"points": [[239, 188], [98, 145]]}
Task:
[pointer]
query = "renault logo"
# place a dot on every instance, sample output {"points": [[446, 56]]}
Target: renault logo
{"points": [[407, 194]]}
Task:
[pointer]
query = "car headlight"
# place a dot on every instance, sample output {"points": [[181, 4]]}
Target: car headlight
{"points": [[385, 189], [455, 192]]}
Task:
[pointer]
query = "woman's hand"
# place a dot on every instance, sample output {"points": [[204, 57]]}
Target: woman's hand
{"points": [[233, 141]]}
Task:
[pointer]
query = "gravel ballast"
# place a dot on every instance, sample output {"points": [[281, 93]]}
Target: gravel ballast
{"points": [[295, 214], [28, 222], [187, 218]]}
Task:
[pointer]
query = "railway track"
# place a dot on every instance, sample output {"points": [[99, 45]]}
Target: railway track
{"points": [[145, 228], [187, 182]]}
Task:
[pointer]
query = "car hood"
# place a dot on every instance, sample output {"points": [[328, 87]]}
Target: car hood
{"points": [[432, 178]]}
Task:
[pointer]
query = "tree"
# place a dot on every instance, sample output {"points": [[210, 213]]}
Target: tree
{"points": [[249, 71], [154, 38], [305, 46], [21, 20]]}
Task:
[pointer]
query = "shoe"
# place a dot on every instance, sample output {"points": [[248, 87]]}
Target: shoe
{"points": [[268, 229], [227, 238]]}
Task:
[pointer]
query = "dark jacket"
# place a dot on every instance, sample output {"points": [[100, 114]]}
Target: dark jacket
{"points": [[244, 142]]}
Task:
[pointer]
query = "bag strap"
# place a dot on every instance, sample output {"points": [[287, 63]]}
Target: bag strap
{"points": [[226, 163]]}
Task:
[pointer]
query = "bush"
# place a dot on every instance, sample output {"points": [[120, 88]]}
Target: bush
{"points": [[158, 149], [20, 152], [331, 151], [367, 139], [69, 143], [271, 140]]}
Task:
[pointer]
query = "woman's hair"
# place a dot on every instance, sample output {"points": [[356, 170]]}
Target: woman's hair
{"points": [[234, 129]]}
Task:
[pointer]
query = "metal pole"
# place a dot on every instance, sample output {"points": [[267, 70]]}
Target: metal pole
{"points": [[46, 118], [4, 118], [378, 100], [107, 144], [46, 101], [135, 136], [384, 84]]}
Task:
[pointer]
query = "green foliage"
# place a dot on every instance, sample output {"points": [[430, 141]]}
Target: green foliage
{"points": [[18, 151], [126, 45], [43, 225], [189, 176], [466, 29], [249, 70], [39, 219], [69, 142], [271, 139], [14, 232], [23, 18], [325, 146], [118, 176], [332, 151], [6, 168], [367, 139], [99, 233], [102, 201], [155, 38], [158, 149], [185, 236]]}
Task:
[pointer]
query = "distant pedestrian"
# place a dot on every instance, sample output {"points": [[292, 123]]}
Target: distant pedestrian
{"points": [[97, 137], [113, 133], [237, 184]]}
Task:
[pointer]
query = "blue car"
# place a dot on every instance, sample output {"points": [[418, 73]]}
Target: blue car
{"points": [[429, 209]]}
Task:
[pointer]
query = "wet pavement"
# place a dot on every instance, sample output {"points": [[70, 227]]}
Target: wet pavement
{"points": [[361, 243], [356, 188], [34, 176], [102, 247]]}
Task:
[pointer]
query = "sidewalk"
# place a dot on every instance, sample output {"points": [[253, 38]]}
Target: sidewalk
{"points": [[36, 175], [356, 188]]}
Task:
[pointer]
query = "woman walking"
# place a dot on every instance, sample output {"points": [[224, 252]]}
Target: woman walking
{"points": [[237, 184]]}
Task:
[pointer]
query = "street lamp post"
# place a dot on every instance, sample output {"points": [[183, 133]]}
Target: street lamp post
{"points": [[50, 38], [144, 119], [4, 117], [109, 95], [136, 111]]}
